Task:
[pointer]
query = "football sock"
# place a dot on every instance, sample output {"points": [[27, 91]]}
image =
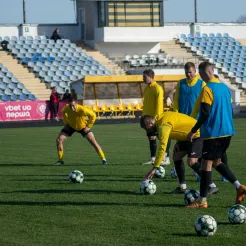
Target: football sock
{"points": [[224, 159], [236, 184], [153, 147], [226, 172], [60, 155], [204, 183], [180, 170], [101, 154], [197, 168]]}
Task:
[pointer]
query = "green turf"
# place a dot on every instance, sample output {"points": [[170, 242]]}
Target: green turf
{"points": [[38, 205]]}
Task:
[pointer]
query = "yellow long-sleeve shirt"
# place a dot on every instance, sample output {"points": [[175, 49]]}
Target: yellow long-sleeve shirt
{"points": [[80, 118], [172, 125], [153, 100]]}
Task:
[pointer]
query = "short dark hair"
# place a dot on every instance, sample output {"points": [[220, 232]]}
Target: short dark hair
{"points": [[204, 65], [149, 72], [144, 120], [73, 98], [189, 65]]}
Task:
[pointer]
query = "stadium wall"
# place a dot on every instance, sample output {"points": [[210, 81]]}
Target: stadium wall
{"points": [[93, 34]]}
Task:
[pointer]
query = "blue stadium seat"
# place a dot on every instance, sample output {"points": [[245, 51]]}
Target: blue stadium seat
{"points": [[23, 97], [13, 98], [32, 97], [5, 98]]}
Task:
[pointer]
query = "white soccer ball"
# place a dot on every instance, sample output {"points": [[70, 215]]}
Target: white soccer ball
{"points": [[160, 172], [191, 196], [237, 214], [148, 187], [205, 225], [76, 177], [173, 173]]}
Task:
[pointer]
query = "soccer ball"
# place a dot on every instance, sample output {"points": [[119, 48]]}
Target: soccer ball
{"points": [[160, 172], [173, 173], [205, 225], [191, 196], [148, 187], [76, 177], [237, 214]]}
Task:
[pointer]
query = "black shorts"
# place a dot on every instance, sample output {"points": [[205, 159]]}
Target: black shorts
{"points": [[215, 148], [69, 131], [151, 133], [193, 149]]}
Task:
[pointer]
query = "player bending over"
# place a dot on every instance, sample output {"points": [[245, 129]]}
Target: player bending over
{"points": [[175, 126], [77, 118]]}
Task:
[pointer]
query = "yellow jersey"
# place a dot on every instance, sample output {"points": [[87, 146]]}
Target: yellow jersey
{"points": [[80, 118], [172, 125], [153, 100]]}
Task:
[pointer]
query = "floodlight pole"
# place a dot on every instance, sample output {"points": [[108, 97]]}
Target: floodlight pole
{"points": [[195, 8], [24, 11]]}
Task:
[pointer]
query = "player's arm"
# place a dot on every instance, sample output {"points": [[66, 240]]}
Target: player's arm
{"points": [[91, 115], [176, 98], [64, 116], [164, 133], [196, 107], [159, 101], [206, 102]]}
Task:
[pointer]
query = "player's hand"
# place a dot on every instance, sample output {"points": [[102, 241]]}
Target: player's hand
{"points": [[190, 136], [150, 174], [86, 129]]}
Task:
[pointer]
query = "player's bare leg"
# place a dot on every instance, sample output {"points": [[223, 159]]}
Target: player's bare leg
{"points": [[91, 138], [59, 144]]}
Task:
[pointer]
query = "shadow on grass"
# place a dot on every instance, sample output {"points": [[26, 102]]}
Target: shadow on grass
{"points": [[183, 234], [225, 223], [51, 191], [68, 203]]}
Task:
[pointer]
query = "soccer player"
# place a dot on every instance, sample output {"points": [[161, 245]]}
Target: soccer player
{"points": [[75, 120], [170, 125], [194, 114], [153, 105], [216, 128], [187, 92]]}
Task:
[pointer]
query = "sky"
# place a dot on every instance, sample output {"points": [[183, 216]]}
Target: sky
{"points": [[62, 11]]}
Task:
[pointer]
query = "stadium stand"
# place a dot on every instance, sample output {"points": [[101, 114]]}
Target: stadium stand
{"points": [[55, 64], [225, 52], [153, 61], [104, 60], [11, 89]]}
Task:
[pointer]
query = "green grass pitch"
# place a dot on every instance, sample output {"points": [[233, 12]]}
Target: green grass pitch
{"points": [[38, 205]]}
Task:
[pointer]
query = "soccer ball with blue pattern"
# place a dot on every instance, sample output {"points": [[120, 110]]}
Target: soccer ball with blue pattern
{"points": [[237, 214], [160, 172], [76, 177], [190, 196], [148, 187], [205, 225]]}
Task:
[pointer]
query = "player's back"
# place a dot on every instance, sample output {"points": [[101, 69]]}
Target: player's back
{"points": [[181, 124], [220, 121], [153, 100]]}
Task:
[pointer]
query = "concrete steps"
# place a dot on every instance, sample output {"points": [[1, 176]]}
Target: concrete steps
{"points": [[102, 59], [31, 83], [173, 49]]}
